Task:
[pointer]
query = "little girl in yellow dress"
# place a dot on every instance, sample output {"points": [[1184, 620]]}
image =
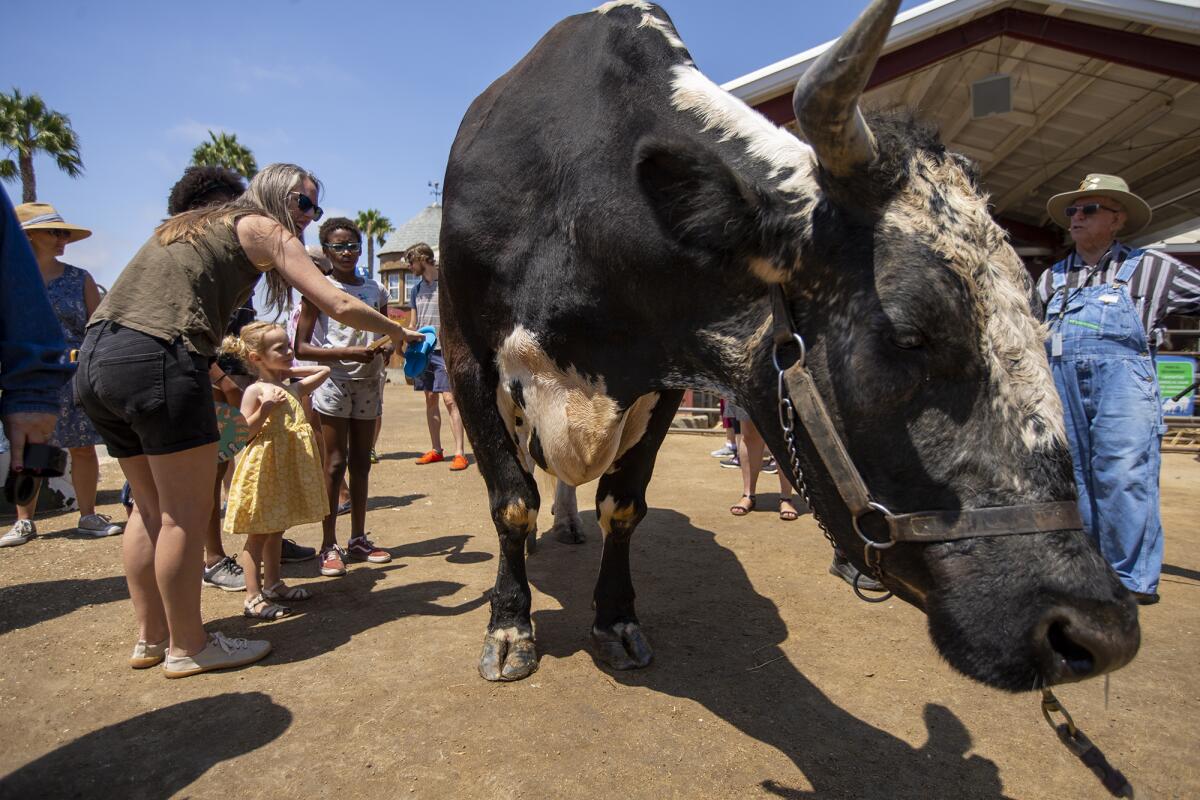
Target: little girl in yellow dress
{"points": [[278, 482]]}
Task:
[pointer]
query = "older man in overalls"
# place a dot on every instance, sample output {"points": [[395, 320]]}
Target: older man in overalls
{"points": [[1105, 303]]}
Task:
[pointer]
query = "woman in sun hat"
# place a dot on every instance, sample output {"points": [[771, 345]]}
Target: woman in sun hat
{"points": [[1106, 303], [74, 296]]}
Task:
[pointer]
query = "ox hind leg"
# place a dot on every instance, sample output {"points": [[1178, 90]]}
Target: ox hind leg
{"points": [[508, 648], [621, 505]]}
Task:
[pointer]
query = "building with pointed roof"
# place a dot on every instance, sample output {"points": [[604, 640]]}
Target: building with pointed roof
{"points": [[394, 274]]}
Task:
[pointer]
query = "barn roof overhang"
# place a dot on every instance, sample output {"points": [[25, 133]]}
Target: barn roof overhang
{"points": [[1098, 86]]}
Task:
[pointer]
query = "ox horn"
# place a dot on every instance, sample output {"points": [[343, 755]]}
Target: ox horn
{"points": [[826, 97]]}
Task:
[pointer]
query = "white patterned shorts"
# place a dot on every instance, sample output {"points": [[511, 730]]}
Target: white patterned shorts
{"points": [[349, 399]]}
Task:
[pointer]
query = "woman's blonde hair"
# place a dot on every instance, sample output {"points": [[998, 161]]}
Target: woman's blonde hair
{"points": [[250, 340], [267, 195]]}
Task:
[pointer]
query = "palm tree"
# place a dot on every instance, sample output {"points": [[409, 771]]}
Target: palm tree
{"points": [[224, 150], [374, 226], [27, 127]]}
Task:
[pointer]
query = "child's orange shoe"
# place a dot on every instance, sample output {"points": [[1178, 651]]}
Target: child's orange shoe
{"points": [[432, 457], [459, 462]]}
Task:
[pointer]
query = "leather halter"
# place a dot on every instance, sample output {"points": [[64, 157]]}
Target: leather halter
{"points": [[943, 525]]}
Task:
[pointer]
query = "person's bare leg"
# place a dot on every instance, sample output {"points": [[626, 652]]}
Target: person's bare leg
{"points": [[334, 435], [214, 551], [750, 450], [183, 480], [358, 458], [271, 552], [85, 476], [456, 425], [27, 511], [137, 551], [251, 559], [433, 418]]}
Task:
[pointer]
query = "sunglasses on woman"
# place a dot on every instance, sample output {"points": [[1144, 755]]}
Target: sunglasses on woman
{"points": [[347, 247], [307, 206], [1088, 209]]}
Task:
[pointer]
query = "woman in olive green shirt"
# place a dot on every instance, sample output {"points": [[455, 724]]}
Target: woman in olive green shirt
{"points": [[144, 380]]}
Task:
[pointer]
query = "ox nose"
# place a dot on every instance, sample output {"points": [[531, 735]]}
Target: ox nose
{"points": [[1073, 645]]}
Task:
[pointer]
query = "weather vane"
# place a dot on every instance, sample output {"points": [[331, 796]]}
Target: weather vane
{"points": [[435, 189]]}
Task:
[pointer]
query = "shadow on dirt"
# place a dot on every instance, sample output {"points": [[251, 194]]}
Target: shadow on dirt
{"points": [[399, 455], [153, 755], [345, 607], [708, 625], [378, 501], [28, 604], [451, 547]]}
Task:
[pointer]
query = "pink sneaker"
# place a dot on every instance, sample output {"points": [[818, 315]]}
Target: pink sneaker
{"points": [[364, 549], [331, 561]]}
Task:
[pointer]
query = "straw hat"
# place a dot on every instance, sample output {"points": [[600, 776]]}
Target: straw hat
{"points": [[43, 217], [1137, 211]]}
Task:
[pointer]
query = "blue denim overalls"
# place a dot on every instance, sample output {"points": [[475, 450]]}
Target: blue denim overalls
{"points": [[1104, 370]]}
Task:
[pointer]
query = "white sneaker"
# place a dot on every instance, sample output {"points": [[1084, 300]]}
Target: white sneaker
{"points": [[725, 451], [21, 532], [99, 525], [147, 654], [220, 653]]}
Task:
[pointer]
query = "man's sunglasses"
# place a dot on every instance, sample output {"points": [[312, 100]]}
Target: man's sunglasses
{"points": [[1087, 209], [347, 247], [307, 206]]}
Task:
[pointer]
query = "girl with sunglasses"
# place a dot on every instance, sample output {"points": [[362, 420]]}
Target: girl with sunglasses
{"points": [[350, 403], [143, 378]]}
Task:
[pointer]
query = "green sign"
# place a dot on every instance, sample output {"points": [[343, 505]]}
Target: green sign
{"points": [[1176, 373]]}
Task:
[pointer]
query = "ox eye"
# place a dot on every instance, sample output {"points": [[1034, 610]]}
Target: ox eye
{"points": [[907, 340]]}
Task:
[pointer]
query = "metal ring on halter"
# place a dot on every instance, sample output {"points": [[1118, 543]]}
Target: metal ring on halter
{"points": [[869, 542], [775, 352], [881, 598]]}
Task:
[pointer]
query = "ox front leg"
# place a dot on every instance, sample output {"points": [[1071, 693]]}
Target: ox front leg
{"points": [[508, 649], [621, 505]]}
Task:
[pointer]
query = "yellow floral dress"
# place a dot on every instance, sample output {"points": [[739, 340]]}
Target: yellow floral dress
{"points": [[278, 482]]}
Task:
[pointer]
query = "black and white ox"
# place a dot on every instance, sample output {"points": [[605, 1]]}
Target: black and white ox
{"points": [[613, 226]]}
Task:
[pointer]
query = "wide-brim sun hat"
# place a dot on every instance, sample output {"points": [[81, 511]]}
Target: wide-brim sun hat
{"points": [[43, 217], [1137, 210]]}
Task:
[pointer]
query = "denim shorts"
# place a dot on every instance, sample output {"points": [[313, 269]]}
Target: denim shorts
{"points": [[146, 396], [434, 378]]}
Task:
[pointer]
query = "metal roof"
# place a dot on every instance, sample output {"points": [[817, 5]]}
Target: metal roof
{"points": [[1097, 86], [424, 227]]}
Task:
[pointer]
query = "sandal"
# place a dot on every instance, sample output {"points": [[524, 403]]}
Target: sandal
{"points": [[788, 514], [740, 508], [258, 607], [281, 592]]}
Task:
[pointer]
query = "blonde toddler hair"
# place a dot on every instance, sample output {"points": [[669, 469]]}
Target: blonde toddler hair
{"points": [[250, 340]]}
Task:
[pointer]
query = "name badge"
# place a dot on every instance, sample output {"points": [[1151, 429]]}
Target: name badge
{"points": [[1056, 345], [1109, 298]]}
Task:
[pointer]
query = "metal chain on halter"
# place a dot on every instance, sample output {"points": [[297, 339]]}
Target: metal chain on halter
{"points": [[787, 419]]}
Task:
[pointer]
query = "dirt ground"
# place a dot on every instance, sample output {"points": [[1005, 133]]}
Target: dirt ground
{"points": [[770, 677]]}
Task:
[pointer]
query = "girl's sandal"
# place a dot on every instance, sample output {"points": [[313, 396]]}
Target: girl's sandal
{"points": [[741, 508], [258, 607], [787, 514], [281, 592]]}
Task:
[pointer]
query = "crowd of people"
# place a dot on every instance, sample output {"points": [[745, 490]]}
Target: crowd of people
{"points": [[180, 389]]}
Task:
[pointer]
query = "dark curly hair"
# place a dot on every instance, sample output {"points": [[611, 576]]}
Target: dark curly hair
{"points": [[204, 186], [339, 224]]}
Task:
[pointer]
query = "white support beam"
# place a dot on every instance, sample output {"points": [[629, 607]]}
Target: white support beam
{"points": [[1123, 124]]}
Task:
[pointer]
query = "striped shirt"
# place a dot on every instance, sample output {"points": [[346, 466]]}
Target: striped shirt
{"points": [[1160, 286], [425, 304]]}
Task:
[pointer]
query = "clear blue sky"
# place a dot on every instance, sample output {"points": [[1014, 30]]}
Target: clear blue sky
{"points": [[367, 95]]}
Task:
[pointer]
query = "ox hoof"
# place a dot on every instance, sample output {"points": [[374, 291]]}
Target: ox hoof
{"points": [[623, 646], [569, 533], [504, 660]]}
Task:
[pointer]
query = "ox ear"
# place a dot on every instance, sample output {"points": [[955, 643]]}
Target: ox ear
{"points": [[701, 202]]}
